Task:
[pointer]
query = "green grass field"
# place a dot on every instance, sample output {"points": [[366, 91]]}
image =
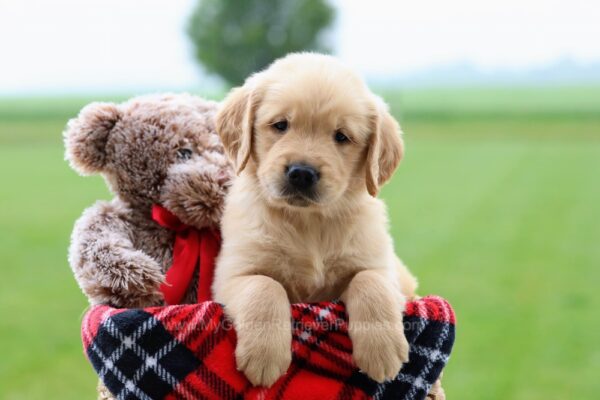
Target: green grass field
{"points": [[495, 207]]}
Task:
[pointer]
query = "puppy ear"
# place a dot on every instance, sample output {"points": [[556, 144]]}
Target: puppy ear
{"points": [[385, 149], [235, 124], [85, 137]]}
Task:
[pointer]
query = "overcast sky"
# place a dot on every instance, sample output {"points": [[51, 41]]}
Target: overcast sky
{"points": [[122, 45]]}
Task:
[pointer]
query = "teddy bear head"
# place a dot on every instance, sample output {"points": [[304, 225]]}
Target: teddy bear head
{"points": [[158, 149]]}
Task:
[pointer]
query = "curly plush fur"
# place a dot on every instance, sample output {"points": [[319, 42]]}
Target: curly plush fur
{"points": [[160, 149], [118, 253]]}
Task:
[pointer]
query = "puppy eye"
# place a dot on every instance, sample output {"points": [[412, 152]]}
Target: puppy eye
{"points": [[340, 137], [281, 126], [184, 154]]}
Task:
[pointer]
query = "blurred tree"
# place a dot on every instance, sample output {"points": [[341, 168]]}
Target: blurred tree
{"points": [[234, 38]]}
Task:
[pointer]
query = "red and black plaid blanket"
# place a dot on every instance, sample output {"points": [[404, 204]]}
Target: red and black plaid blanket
{"points": [[187, 352]]}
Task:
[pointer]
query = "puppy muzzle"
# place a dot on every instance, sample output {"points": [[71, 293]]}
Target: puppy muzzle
{"points": [[301, 182]]}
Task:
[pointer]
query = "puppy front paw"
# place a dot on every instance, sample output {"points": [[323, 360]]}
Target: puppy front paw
{"points": [[379, 351], [264, 355]]}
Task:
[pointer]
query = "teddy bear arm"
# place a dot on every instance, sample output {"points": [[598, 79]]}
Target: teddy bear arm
{"points": [[107, 266]]}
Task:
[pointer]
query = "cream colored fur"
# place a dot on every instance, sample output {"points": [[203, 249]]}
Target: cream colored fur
{"points": [[278, 250]]}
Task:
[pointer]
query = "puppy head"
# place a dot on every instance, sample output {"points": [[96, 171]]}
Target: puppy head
{"points": [[311, 132]]}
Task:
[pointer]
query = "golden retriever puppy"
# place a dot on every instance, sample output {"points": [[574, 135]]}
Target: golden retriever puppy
{"points": [[312, 146]]}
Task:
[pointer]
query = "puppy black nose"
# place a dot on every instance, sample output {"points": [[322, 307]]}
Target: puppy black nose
{"points": [[302, 177]]}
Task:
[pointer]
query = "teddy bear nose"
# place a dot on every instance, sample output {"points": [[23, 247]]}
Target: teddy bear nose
{"points": [[222, 177]]}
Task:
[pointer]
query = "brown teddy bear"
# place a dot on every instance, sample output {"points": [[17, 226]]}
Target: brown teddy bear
{"points": [[164, 162]]}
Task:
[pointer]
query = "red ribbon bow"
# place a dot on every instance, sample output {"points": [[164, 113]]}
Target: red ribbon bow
{"points": [[193, 249]]}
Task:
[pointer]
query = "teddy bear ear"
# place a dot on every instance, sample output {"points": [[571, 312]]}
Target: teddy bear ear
{"points": [[86, 136]]}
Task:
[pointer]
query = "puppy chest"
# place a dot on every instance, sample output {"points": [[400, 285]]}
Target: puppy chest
{"points": [[314, 279]]}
